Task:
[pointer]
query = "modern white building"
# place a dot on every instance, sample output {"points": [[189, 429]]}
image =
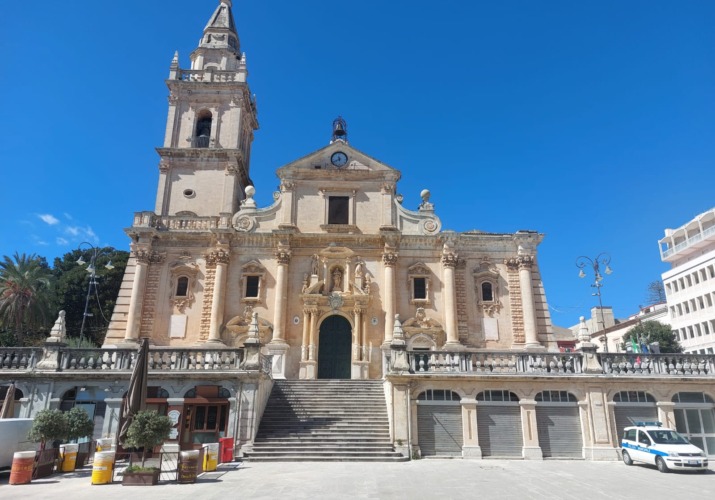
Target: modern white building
{"points": [[690, 284]]}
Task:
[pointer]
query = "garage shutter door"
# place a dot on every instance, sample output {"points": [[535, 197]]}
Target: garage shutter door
{"points": [[440, 430], [499, 429], [559, 431], [629, 415]]}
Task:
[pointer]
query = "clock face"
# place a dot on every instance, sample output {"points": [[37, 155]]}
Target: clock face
{"points": [[339, 159]]}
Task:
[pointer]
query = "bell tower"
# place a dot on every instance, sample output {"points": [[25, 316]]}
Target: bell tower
{"points": [[204, 166]]}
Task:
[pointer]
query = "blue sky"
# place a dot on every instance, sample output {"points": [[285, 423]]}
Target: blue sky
{"points": [[590, 121]]}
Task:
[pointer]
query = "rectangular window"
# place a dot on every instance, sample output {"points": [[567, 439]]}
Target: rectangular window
{"points": [[252, 283], [420, 288], [338, 210]]}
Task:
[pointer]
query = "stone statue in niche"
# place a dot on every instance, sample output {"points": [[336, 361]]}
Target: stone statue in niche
{"points": [[305, 283], [337, 280], [314, 263], [359, 269]]}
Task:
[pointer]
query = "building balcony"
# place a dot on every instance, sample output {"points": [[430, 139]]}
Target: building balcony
{"points": [[685, 240]]}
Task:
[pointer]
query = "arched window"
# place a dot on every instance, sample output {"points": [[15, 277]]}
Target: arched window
{"points": [[182, 286], [555, 397], [487, 292], [497, 395], [438, 395], [203, 130]]}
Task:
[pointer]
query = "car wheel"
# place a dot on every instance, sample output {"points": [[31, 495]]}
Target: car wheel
{"points": [[660, 463], [627, 458]]}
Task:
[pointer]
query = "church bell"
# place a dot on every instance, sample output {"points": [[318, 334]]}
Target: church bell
{"points": [[340, 130]]}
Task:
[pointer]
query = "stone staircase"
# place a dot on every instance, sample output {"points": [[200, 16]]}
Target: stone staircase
{"points": [[325, 420]]}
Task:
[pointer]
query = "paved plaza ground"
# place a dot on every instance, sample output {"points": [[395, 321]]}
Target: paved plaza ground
{"points": [[431, 478]]}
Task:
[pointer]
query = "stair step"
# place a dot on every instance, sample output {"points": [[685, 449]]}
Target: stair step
{"points": [[325, 420]]}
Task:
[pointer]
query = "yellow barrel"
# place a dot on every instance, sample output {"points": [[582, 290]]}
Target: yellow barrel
{"points": [[102, 467], [188, 462], [68, 454], [210, 457], [23, 463], [104, 444]]}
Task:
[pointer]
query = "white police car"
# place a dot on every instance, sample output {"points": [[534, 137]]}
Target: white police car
{"points": [[650, 443]]}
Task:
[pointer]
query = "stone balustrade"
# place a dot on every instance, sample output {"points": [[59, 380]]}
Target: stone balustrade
{"points": [[19, 358], [494, 362], [179, 222], [160, 359], [702, 365], [189, 75]]}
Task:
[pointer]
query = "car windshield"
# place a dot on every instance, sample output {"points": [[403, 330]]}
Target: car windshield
{"points": [[667, 437]]}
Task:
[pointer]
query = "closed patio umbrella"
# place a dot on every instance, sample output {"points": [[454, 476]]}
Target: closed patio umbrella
{"points": [[135, 400], [8, 405]]}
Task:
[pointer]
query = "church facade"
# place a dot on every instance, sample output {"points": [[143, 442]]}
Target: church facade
{"points": [[327, 266], [337, 279]]}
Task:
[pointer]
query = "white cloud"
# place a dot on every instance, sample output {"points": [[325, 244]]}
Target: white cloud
{"points": [[61, 241], [49, 219], [67, 216], [73, 230]]}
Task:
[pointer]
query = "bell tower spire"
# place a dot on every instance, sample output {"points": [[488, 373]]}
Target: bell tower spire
{"points": [[204, 167]]}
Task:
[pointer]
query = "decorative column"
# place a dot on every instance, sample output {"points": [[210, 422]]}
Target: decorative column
{"points": [[307, 364], [283, 256], [359, 365], [357, 334], [389, 260], [449, 262], [306, 333], [313, 332], [527, 301], [142, 257], [218, 258], [278, 346]]}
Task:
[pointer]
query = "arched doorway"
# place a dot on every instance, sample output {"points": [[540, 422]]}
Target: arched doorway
{"points": [[334, 346]]}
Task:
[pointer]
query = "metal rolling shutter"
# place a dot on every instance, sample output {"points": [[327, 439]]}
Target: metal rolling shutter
{"points": [[440, 429], [629, 415], [559, 431], [499, 430]]}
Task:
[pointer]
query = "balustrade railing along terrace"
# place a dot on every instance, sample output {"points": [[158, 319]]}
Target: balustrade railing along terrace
{"points": [[658, 364], [494, 362], [19, 358]]}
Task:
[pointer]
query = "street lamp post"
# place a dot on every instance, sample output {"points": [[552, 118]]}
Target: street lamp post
{"points": [[92, 270], [603, 259]]}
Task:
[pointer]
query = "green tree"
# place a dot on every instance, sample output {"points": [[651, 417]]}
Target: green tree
{"points": [[147, 430], [654, 331], [48, 425], [79, 424], [25, 284], [70, 291]]}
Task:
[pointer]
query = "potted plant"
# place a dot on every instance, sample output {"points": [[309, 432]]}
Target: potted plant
{"points": [[79, 426], [147, 430], [47, 426]]}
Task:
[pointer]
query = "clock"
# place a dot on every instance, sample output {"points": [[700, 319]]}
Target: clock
{"points": [[339, 159]]}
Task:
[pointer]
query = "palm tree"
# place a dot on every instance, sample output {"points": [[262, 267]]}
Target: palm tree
{"points": [[24, 292]]}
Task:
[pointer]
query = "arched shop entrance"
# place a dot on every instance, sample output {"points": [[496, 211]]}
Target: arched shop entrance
{"points": [[334, 348]]}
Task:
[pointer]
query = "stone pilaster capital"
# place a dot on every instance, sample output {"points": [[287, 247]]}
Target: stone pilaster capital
{"points": [[525, 261], [218, 256], [512, 264], [358, 309], [283, 256], [163, 166], [389, 259], [312, 310], [450, 259], [148, 256]]}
